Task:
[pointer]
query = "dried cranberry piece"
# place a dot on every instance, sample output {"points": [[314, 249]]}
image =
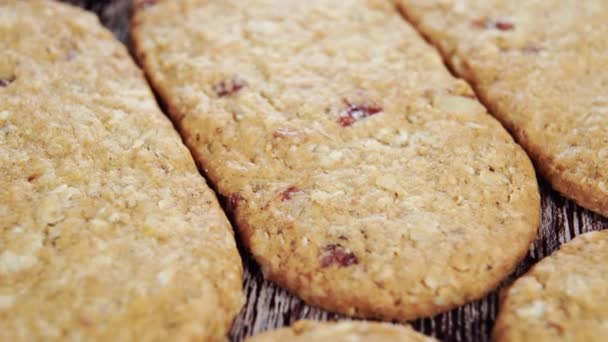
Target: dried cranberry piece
{"points": [[4, 82], [335, 254], [503, 25], [354, 112], [346, 121], [234, 200], [556, 326], [287, 194], [229, 87]]}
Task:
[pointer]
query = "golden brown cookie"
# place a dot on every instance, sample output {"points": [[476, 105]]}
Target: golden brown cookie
{"points": [[540, 66], [342, 332], [107, 231], [362, 176], [563, 298]]}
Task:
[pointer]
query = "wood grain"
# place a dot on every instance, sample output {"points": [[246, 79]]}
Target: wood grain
{"points": [[268, 306]]}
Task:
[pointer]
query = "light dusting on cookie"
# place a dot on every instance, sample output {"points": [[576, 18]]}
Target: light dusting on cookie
{"points": [[534, 310], [163, 277], [6, 301], [12, 262]]}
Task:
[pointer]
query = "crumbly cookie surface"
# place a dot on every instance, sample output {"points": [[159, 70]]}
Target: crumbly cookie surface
{"points": [[362, 176], [540, 66], [107, 230], [342, 332], [563, 298]]}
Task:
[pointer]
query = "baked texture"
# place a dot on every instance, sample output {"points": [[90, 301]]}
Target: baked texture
{"points": [[563, 298], [540, 67], [107, 230], [342, 331], [362, 176]]}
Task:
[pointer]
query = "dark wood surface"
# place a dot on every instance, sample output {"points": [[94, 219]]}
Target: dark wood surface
{"points": [[269, 306]]}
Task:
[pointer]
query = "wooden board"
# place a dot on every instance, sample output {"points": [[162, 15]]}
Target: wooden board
{"points": [[269, 306]]}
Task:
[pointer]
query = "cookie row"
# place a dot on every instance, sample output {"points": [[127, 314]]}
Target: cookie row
{"points": [[312, 89]]}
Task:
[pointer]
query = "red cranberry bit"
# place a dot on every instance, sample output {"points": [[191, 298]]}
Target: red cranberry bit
{"points": [[503, 25], [556, 326], [337, 255], [235, 199], [288, 194], [355, 112], [4, 82], [229, 87]]}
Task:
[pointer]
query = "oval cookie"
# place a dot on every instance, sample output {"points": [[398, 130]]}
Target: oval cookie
{"points": [[107, 230], [563, 298], [342, 331], [362, 176], [540, 66]]}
